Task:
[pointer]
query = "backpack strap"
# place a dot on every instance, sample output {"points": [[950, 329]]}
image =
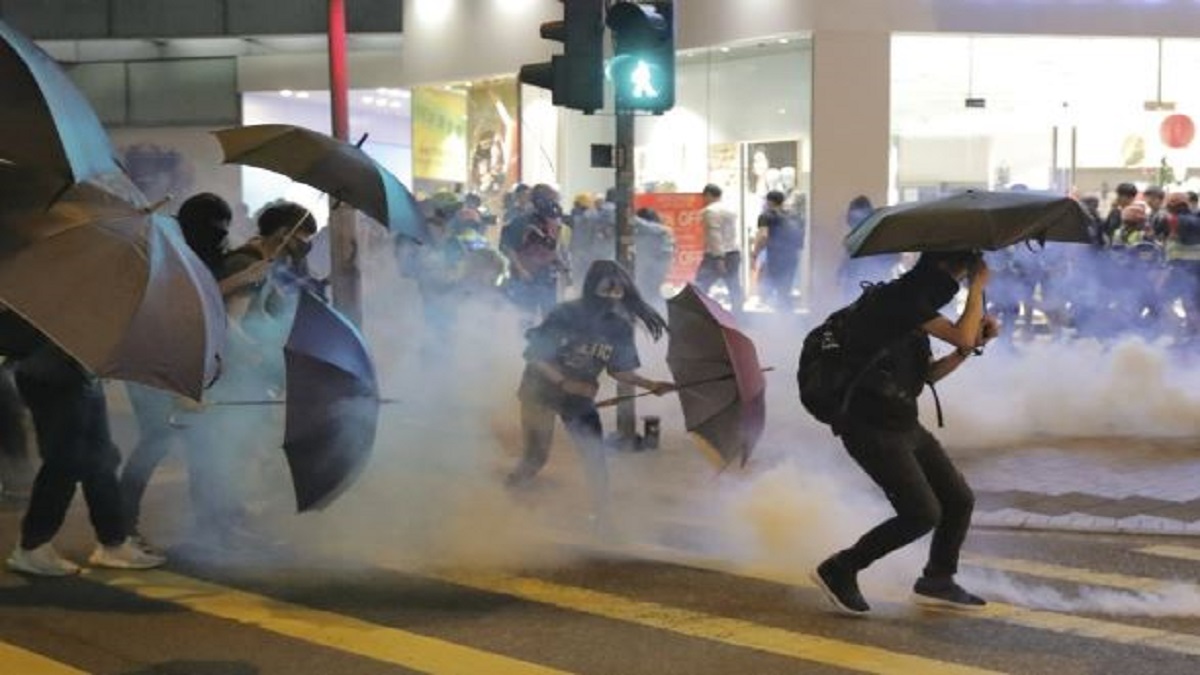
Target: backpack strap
{"points": [[937, 403]]}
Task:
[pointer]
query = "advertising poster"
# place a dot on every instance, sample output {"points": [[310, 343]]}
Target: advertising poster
{"points": [[681, 213], [439, 125], [493, 140], [772, 166]]}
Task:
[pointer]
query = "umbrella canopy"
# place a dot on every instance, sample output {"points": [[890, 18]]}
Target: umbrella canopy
{"points": [[972, 220], [720, 382], [332, 403], [120, 291], [338, 169], [46, 125]]}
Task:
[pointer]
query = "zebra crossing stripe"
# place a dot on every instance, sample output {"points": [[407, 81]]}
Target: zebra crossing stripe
{"points": [[327, 629], [734, 632]]}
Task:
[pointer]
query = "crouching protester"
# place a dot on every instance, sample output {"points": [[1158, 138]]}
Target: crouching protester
{"points": [[567, 352], [861, 372]]}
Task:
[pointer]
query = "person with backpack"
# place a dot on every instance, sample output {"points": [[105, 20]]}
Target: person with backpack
{"points": [[861, 372]]}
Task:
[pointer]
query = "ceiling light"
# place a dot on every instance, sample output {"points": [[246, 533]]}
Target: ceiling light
{"points": [[724, 50], [286, 93], [302, 94], [369, 100]]}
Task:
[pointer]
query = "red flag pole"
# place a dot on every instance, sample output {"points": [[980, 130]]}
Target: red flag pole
{"points": [[339, 79], [345, 279]]}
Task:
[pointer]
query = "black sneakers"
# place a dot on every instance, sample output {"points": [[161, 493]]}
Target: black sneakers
{"points": [[945, 593], [840, 587]]}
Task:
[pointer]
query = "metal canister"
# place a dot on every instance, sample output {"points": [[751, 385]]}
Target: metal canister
{"points": [[651, 427]]}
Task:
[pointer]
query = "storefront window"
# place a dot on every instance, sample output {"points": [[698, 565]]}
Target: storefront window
{"points": [[741, 121], [1076, 115]]}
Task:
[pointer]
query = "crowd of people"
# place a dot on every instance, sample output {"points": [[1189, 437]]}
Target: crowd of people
{"points": [[260, 281]]}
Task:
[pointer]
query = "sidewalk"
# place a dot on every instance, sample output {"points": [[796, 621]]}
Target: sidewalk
{"points": [[1109, 485]]}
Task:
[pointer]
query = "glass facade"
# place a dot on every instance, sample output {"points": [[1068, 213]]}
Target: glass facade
{"points": [[742, 121], [1072, 114]]}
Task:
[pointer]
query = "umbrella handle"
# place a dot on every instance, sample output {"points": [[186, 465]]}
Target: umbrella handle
{"points": [[283, 401], [609, 402]]}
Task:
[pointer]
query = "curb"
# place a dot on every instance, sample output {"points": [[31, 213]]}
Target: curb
{"points": [[1014, 519]]}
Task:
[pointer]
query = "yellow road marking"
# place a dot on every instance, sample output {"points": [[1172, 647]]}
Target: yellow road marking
{"points": [[13, 659], [1180, 552], [728, 631], [390, 645], [1055, 622]]}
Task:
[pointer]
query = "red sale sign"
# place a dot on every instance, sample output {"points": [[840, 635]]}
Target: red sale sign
{"points": [[682, 213]]}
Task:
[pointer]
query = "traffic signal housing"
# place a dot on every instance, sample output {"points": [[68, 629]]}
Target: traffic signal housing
{"points": [[643, 65], [575, 77]]}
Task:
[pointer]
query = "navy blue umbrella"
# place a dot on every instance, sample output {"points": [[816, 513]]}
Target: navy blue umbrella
{"points": [[332, 403]]}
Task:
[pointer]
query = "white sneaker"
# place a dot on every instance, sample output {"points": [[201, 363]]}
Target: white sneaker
{"points": [[42, 561], [144, 545], [124, 556]]}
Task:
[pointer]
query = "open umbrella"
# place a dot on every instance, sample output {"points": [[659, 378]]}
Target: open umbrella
{"points": [[118, 289], [46, 125], [972, 220], [332, 403], [716, 370], [338, 169]]}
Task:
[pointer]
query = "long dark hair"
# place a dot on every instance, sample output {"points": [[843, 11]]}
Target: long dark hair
{"points": [[632, 300]]}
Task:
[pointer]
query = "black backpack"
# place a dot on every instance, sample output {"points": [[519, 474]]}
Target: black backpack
{"points": [[829, 371]]}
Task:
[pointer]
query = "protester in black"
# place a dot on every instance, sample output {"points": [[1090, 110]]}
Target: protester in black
{"points": [[71, 420], [564, 358], [884, 436]]}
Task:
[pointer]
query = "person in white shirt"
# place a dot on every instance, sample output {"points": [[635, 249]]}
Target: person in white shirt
{"points": [[722, 251]]}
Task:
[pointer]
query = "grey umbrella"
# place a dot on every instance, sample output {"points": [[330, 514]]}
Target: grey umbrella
{"points": [[118, 289]]}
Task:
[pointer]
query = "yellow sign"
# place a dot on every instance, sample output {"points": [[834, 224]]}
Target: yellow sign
{"points": [[439, 134]]}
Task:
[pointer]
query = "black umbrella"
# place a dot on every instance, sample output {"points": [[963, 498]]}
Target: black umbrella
{"points": [[332, 403], [970, 221]]}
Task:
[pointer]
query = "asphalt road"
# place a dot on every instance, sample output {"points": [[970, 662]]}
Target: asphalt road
{"points": [[619, 607]]}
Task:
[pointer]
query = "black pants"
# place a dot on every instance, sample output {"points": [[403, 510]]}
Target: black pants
{"points": [[71, 419], [710, 272], [924, 487]]}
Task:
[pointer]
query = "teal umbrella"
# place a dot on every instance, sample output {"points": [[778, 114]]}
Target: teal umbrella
{"points": [[50, 138], [340, 170], [975, 220]]}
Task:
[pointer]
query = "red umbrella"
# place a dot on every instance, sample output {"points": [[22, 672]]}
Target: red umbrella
{"points": [[720, 381]]}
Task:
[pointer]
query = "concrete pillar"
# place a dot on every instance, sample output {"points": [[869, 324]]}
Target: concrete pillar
{"points": [[851, 129]]}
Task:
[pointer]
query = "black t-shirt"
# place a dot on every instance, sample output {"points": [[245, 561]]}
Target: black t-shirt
{"points": [[890, 317]]}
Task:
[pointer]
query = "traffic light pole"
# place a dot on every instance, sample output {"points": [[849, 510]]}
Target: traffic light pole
{"points": [[626, 253]]}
